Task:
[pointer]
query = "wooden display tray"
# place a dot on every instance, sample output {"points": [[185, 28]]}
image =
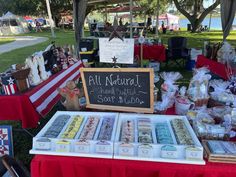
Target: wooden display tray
{"points": [[222, 158]]}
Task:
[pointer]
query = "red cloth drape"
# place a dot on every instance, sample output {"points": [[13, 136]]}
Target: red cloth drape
{"points": [[215, 67], [61, 166], [151, 52], [18, 107]]}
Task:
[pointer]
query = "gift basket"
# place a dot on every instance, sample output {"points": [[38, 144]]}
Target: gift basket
{"points": [[160, 107], [226, 54], [220, 95], [206, 127], [215, 123], [169, 88], [198, 87]]}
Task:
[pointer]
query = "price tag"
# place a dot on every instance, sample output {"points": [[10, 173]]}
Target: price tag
{"points": [[42, 144], [126, 150], [104, 149], [141, 39], [145, 151], [63, 146], [193, 153], [169, 152], [82, 147]]}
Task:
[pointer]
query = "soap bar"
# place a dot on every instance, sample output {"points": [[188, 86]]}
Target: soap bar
{"points": [[127, 131], [54, 130], [106, 128], [89, 128], [182, 134], [215, 147], [163, 133], [73, 128], [144, 131]]}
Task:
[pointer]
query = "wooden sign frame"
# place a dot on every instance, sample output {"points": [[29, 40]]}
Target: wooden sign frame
{"points": [[120, 108]]}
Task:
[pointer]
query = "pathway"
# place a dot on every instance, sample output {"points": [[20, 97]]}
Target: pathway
{"points": [[21, 41]]}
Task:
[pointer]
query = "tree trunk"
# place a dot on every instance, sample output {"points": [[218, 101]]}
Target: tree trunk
{"points": [[196, 17], [79, 10], [195, 24]]}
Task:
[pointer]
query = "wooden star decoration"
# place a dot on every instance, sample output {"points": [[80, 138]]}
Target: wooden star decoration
{"points": [[114, 59], [114, 31]]}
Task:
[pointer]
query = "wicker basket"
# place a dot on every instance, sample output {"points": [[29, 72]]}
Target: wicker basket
{"points": [[209, 136], [201, 102], [214, 103]]}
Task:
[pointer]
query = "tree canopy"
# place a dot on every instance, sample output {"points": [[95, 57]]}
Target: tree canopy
{"points": [[194, 11], [151, 6]]}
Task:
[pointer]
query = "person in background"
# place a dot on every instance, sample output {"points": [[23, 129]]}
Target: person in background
{"points": [[30, 27], [149, 22], [38, 26], [120, 22], [162, 25], [163, 28]]}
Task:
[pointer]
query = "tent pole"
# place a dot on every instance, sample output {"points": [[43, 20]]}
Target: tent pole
{"points": [[209, 26], [106, 12], [157, 17], [131, 17], [50, 18]]}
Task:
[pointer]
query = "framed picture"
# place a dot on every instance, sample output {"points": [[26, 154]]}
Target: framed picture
{"points": [[6, 142]]}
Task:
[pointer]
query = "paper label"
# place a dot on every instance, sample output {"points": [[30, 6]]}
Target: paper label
{"points": [[126, 150], [82, 147], [63, 146], [194, 153], [169, 152], [104, 149], [123, 51], [42, 145], [145, 151], [84, 49]]}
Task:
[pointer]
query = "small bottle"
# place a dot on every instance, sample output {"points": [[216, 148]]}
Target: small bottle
{"points": [[155, 92], [205, 48]]}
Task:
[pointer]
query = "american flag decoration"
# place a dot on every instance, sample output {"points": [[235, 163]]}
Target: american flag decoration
{"points": [[9, 84]]}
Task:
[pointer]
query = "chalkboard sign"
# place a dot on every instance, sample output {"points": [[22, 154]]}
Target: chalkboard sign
{"points": [[120, 89]]}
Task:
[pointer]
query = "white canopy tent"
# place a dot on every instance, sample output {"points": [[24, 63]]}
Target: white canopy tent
{"points": [[11, 24]]}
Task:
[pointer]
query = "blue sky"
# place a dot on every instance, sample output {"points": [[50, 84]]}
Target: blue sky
{"points": [[208, 2]]}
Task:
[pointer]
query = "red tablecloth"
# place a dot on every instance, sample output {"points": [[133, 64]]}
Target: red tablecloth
{"points": [[29, 106], [151, 52], [215, 67], [60, 166]]}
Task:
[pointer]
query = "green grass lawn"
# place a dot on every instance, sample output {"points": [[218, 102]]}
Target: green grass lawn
{"points": [[22, 141], [19, 55], [195, 40], [6, 40]]}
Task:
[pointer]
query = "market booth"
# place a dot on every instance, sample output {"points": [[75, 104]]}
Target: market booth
{"points": [[131, 127], [171, 22], [115, 143], [11, 24]]}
